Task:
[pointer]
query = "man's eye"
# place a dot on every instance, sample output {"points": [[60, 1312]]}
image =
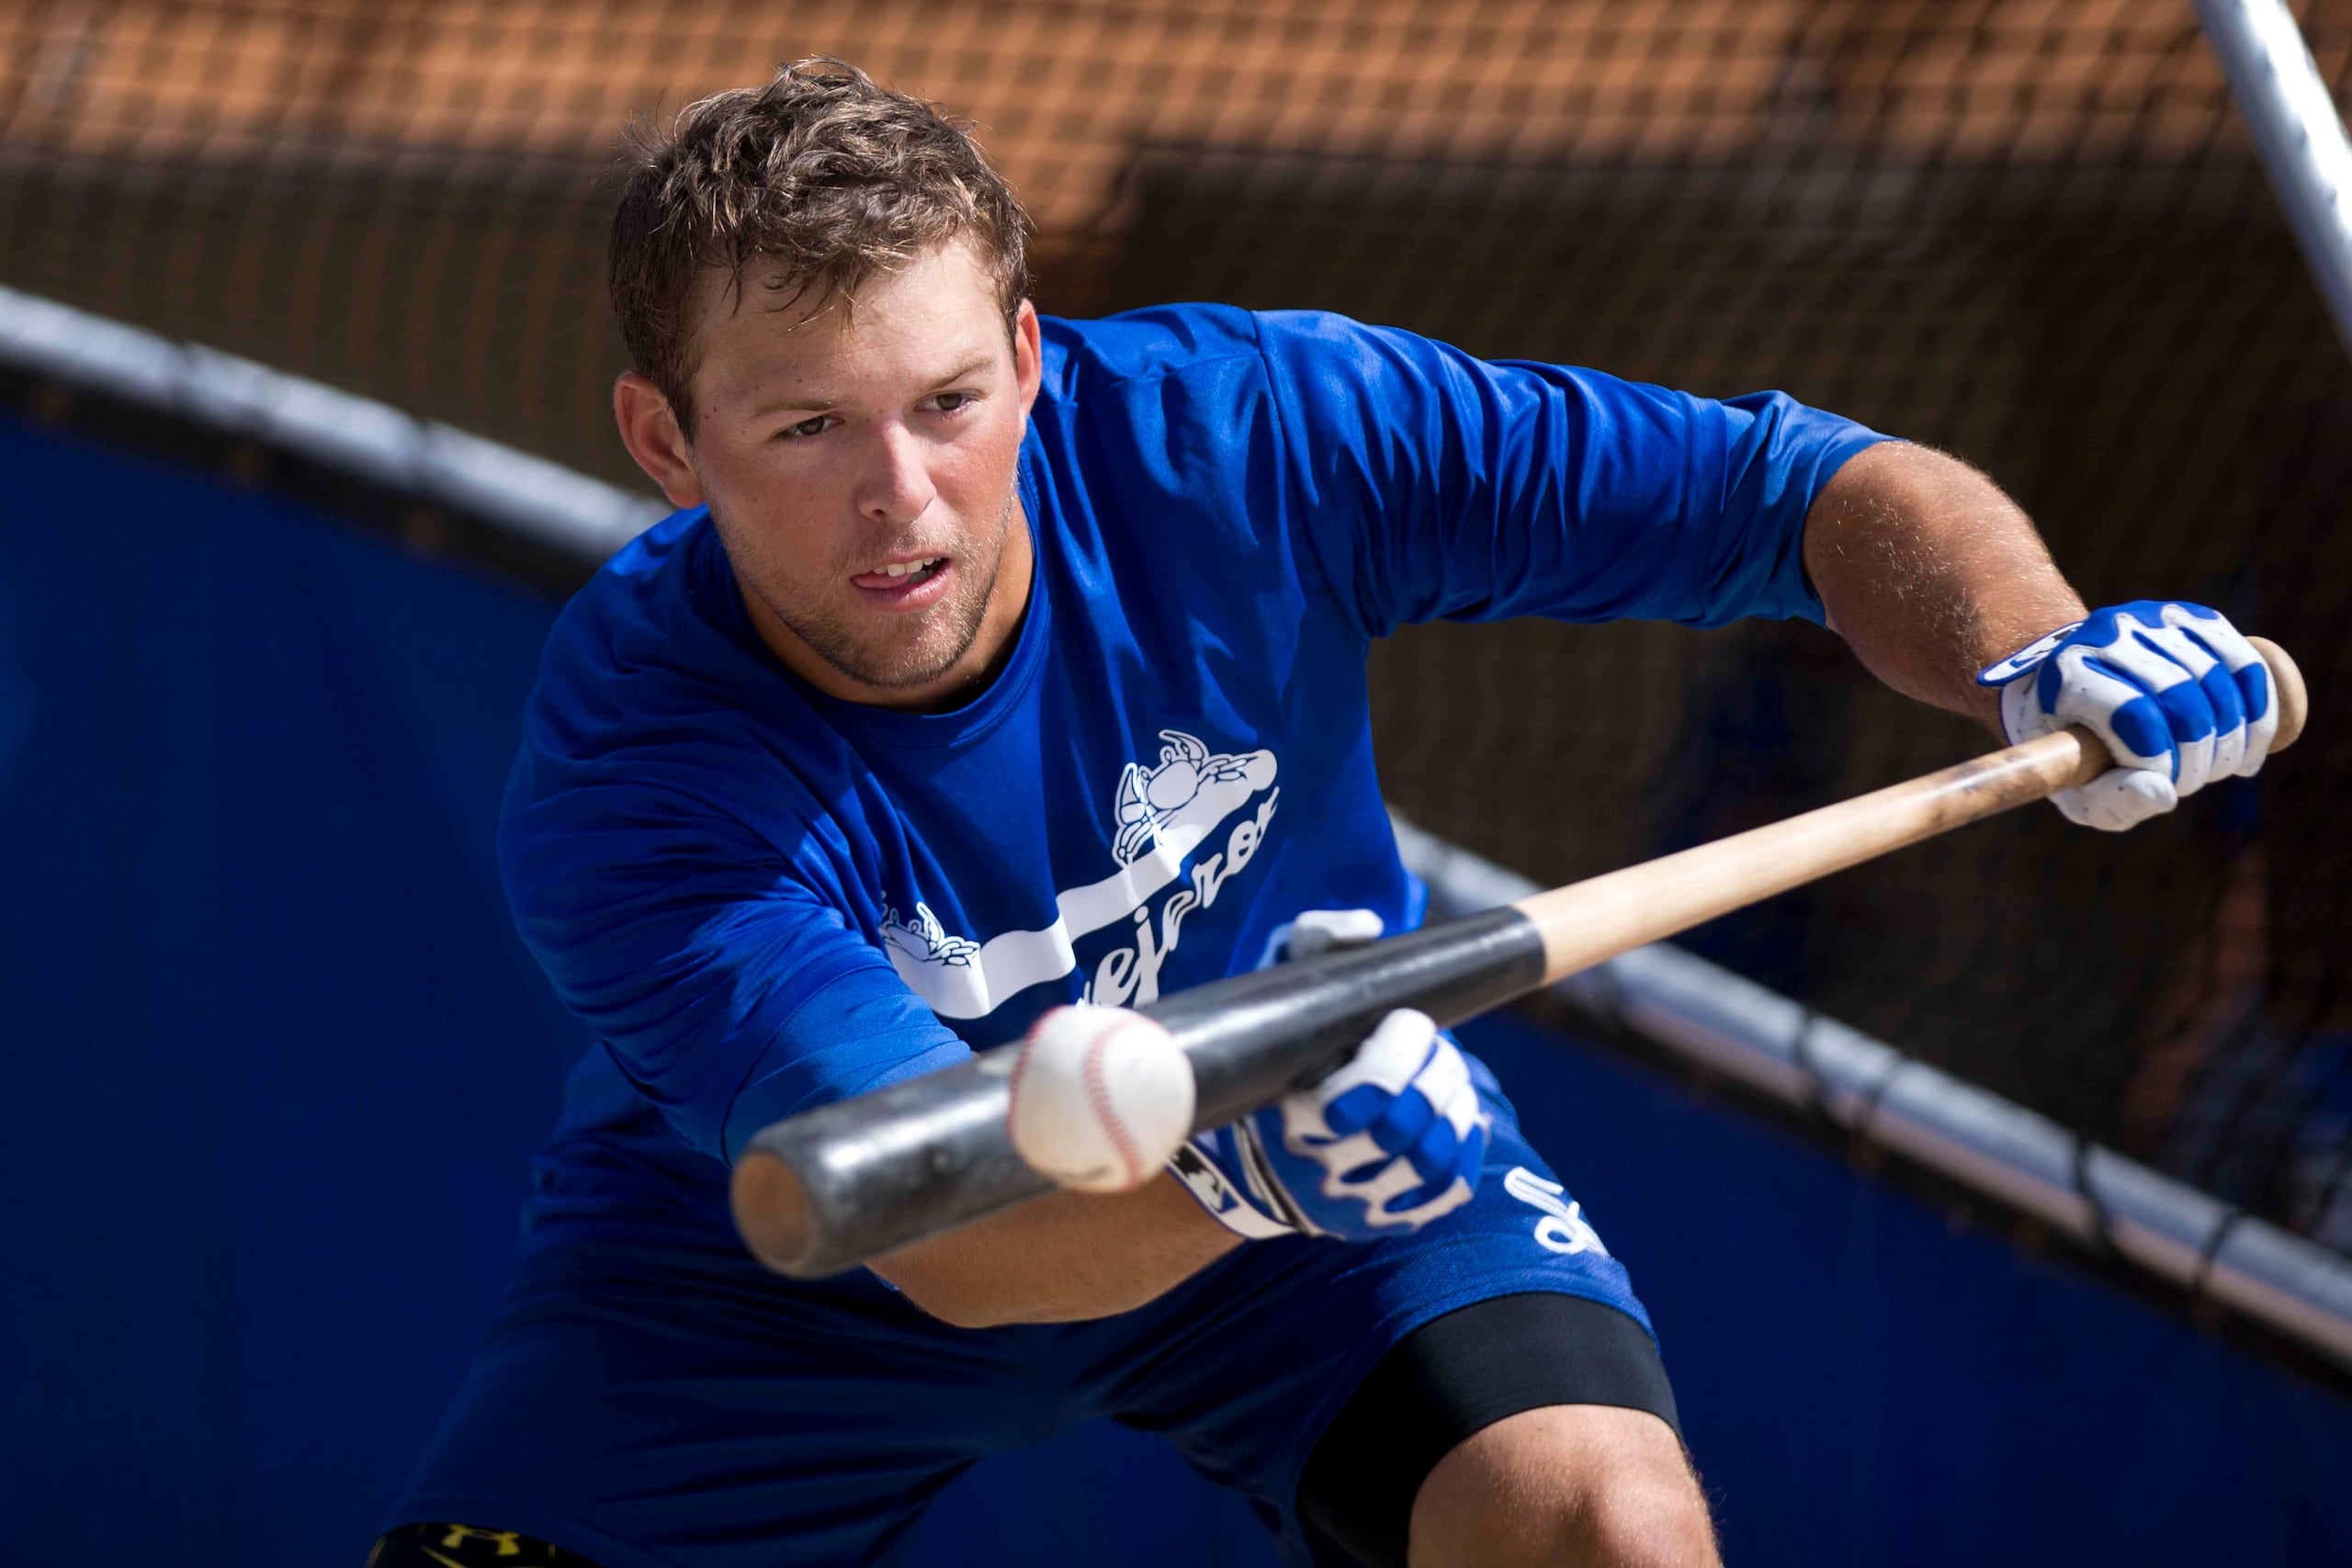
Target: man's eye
{"points": [[949, 402], [815, 426]]}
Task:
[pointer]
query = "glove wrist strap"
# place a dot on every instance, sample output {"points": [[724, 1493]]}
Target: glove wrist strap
{"points": [[1226, 1199]]}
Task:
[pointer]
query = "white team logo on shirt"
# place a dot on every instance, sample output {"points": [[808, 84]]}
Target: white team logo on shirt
{"points": [[1191, 784], [924, 941], [1164, 814]]}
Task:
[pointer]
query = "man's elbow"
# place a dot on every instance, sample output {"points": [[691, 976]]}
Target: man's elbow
{"points": [[956, 1307], [1065, 1257], [967, 1293], [948, 1277]]}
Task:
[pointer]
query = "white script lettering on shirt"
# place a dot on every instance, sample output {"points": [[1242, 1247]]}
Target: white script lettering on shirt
{"points": [[1131, 973], [1164, 813]]}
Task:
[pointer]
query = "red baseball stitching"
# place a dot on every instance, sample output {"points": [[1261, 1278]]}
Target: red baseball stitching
{"points": [[1098, 1093]]}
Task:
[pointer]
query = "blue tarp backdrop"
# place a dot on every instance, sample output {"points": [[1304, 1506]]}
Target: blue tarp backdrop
{"points": [[280, 1062]]}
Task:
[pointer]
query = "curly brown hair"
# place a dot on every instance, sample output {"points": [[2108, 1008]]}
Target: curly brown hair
{"points": [[823, 175]]}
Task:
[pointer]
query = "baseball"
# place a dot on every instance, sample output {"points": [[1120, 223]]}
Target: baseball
{"points": [[1101, 1098]]}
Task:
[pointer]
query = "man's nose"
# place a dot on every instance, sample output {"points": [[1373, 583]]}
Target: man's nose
{"points": [[896, 487]]}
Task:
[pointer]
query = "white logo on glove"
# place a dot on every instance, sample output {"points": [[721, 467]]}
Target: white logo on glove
{"points": [[2026, 657]]}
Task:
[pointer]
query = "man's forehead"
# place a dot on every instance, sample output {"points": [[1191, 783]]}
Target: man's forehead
{"points": [[776, 335]]}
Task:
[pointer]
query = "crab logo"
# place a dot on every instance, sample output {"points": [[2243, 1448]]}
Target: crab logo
{"points": [[1185, 786], [924, 940]]}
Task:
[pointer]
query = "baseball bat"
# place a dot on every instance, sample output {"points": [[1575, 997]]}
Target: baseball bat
{"points": [[834, 1186]]}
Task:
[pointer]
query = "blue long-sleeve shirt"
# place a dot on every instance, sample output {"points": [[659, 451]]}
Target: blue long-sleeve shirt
{"points": [[761, 898]]}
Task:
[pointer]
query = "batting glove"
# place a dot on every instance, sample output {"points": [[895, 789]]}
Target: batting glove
{"points": [[1392, 1140], [2177, 695]]}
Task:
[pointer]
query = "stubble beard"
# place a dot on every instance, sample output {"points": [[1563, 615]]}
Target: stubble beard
{"points": [[889, 658]]}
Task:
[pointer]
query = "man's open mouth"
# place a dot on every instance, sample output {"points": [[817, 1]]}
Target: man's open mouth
{"points": [[902, 580]]}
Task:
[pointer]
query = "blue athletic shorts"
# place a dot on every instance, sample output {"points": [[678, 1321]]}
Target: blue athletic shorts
{"points": [[660, 1401]]}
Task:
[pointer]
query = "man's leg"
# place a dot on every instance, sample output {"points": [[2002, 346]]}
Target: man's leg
{"points": [[1564, 1486], [1327, 1381], [1523, 1428]]}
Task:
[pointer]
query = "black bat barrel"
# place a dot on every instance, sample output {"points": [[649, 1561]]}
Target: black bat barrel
{"points": [[832, 1188]]}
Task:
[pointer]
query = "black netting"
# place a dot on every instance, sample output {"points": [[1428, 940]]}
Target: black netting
{"points": [[2030, 231]]}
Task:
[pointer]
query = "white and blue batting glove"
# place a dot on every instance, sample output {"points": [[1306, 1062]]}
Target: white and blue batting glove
{"points": [[2177, 695], [1392, 1140]]}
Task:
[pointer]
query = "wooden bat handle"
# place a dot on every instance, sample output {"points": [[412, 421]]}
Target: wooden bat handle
{"points": [[1587, 922]]}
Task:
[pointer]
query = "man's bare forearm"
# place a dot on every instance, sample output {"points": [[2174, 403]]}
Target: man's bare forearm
{"points": [[1931, 573], [1061, 1257]]}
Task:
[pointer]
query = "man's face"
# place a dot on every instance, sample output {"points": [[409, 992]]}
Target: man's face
{"points": [[860, 462]]}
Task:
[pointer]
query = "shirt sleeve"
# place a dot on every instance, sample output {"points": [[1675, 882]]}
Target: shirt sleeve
{"points": [[1429, 484], [727, 990]]}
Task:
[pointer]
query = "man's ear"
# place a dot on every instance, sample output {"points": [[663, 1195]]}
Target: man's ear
{"points": [[650, 430], [1028, 354]]}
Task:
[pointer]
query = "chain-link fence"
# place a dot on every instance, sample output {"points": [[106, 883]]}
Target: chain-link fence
{"points": [[2030, 231]]}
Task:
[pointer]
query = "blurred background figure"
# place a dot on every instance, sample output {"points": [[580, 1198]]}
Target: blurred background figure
{"points": [[276, 1033]]}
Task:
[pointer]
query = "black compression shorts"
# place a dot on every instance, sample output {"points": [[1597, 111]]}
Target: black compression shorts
{"points": [[1455, 1376]]}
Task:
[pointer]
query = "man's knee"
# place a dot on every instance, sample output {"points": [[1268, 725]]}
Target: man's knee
{"points": [[1565, 1484]]}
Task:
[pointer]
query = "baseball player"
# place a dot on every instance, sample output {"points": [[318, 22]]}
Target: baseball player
{"points": [[993, 663]]}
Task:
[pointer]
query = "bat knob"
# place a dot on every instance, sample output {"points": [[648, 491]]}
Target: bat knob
{"points": [[772, 1211], [2288, 689]]}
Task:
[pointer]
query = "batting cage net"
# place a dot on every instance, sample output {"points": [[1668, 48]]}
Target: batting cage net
{"points": [[2030, 231]]}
